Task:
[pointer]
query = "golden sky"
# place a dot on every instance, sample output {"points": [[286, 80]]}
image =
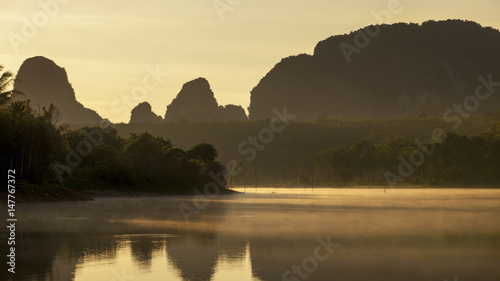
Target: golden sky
{"points": [[107, 46]]}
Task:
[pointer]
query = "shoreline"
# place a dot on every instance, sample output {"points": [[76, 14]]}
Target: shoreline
{"points": [[29, 193], [60, 194], [373, 187]]}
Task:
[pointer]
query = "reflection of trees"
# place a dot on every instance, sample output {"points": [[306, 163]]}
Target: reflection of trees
{"points": [[53, 249], [233, 249], [95, 249], [143, 248], [42, 255], [74, 249], [63, 265], [34, 255]]}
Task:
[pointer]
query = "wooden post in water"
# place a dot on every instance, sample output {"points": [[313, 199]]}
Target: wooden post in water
{"points": [[255, 172]]}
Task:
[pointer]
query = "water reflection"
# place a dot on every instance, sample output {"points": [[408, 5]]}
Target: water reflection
{"points": [[404, 235], [131, 257]]}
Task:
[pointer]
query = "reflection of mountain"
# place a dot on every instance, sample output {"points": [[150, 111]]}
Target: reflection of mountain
{"points": [[199, 257], [233, 249], [43, 82], [240, 262], [202, 258], [195, 258], [212, 257]]}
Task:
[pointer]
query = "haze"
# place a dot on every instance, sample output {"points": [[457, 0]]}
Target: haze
{"points": [[403, 234]]}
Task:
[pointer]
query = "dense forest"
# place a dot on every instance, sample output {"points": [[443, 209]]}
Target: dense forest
{"points": [[168, 158], [316, 153], [457, 160], [48, 156], [294, 151]]}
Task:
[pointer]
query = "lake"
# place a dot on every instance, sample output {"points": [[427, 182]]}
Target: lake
{"points": [[264, 234]]}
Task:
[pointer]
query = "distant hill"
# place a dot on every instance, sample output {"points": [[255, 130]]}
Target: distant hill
{"points": [[384, 71], [381, 71], [143, 113], [196, 102], [43, 82]]}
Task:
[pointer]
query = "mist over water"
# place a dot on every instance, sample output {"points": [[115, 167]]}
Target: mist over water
{"points": [[403, 234]]}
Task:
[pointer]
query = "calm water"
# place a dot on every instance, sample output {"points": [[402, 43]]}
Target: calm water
{"points": [[268, 234]]}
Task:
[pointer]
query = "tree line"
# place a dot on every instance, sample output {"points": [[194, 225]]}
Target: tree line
{"points": [[457, 160], [97, 157], [292, 151], [140, 162]]}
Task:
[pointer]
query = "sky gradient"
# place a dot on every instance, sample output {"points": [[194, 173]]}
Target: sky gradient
{"points": [[108, 46]]}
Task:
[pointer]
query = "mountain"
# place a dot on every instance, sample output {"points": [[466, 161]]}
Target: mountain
{"points": [[143, 113], [196, 102], [384, 71], [43, 82], [232, 112]]}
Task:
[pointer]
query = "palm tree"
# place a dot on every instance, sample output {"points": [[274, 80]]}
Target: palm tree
{"points": [[7, 78]]}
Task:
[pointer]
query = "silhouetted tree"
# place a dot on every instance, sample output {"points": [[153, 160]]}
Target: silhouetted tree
{"points": [[31, 141], [7, 79], [204, 152]]}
